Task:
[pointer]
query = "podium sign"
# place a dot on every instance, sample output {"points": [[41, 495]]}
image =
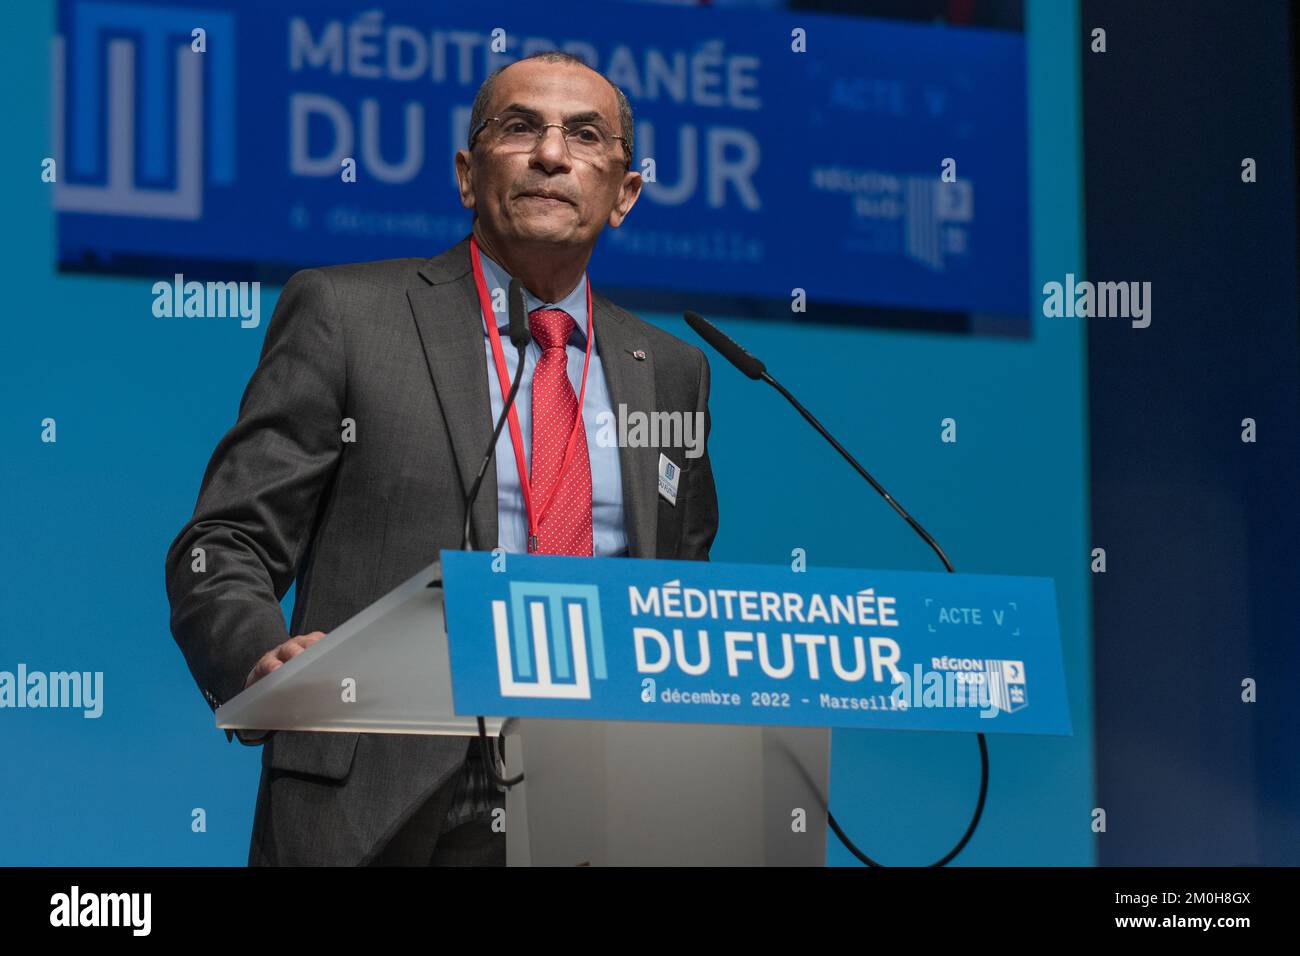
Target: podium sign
{"points": [[701, 642]]}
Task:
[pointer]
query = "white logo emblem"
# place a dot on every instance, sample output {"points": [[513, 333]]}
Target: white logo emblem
{"points": [[556, 647]]}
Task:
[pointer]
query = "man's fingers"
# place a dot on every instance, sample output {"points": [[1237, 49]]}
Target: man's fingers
{"points": [[287, 651], [296, 645], [303, 641]]}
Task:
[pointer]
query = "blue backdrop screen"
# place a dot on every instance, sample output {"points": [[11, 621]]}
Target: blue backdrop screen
{"points": [[888, 170]]}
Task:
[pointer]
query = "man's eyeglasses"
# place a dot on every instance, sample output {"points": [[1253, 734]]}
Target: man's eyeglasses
{"points": [[521, 132]]}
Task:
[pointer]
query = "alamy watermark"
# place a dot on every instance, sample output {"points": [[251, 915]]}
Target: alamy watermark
{"points": [[651, 430], [76, 690], [77, 909], [1124, 300], [217, 300]]}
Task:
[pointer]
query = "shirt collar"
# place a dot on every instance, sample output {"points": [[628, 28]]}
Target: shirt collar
{"points": [[575, 303]]}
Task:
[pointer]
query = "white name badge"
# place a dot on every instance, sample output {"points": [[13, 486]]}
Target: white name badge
{"points": [[669, 476]]}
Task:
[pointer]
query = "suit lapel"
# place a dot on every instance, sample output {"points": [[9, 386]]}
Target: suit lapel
{"points": [[631, 386], [450, 326]]}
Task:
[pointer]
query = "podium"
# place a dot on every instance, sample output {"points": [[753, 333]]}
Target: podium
{"points": [[674, 712], [595, 792]]}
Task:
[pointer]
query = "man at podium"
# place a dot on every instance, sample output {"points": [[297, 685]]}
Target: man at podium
{"points": [[365, 422]]}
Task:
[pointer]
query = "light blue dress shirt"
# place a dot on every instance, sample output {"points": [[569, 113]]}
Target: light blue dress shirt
{"points": [[608, 535]]}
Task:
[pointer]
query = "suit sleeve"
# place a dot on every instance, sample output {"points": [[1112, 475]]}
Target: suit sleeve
{"points": [[260, 494], [700, 523]]}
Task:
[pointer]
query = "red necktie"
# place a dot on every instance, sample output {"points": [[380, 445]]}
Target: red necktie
{"points": [[565, 526]]}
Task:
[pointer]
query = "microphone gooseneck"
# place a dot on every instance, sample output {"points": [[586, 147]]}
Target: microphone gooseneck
{"points": [[519, 337]]}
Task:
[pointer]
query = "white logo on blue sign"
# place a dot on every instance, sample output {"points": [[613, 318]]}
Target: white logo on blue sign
{"points": [[549, 640], [122, 58], [1007, 688]]}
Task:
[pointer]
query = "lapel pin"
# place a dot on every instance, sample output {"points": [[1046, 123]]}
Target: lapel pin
{"points": [[639, 355]]}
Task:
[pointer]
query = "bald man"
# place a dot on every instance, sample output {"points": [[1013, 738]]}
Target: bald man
{"points": [[411, 351]]}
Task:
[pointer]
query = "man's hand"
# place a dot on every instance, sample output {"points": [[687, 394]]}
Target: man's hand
{"points": [[275, 658]]}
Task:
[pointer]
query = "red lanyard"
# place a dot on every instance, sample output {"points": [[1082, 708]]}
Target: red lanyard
{"points": [[503, 378]]}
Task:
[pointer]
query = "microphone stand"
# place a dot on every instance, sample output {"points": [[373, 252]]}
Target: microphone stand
{"points": [[755, 369]]}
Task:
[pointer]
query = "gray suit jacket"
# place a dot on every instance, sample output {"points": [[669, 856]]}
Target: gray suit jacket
{"points": [[397, 346]]}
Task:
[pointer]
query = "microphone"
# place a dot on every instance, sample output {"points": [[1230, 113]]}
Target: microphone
{"points": [[519, 337], [729, 349], [518, 313]]}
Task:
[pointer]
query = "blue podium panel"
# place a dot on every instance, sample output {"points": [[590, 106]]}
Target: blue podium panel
{"points": [[698, 642]]}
